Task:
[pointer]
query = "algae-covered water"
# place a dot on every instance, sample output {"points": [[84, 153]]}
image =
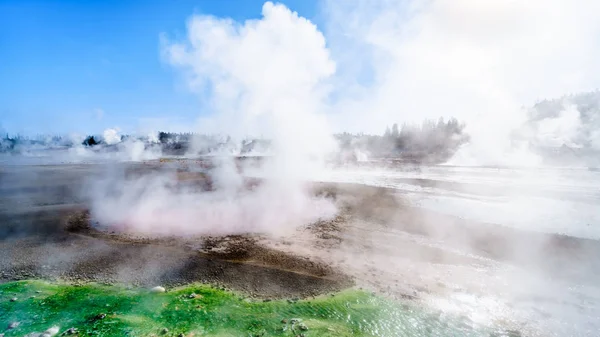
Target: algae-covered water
{"points": [[32, 307]]}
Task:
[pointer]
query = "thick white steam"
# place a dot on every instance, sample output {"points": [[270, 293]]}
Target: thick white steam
{"points": [[111, 136], [262, 77], [152, 205], [378, 62], [478, 61]]}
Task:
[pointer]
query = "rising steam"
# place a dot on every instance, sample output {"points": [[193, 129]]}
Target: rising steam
{"points": [[478, 61], [264, 77], [281, 78]]}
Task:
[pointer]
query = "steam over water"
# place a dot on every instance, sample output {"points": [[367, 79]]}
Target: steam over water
{"points": [[551, 200]]}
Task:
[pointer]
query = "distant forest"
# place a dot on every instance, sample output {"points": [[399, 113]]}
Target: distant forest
{"points": [[430, 142], [562, 130]]}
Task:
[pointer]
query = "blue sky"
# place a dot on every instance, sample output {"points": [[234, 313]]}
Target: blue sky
{"points": [[83, 66]]}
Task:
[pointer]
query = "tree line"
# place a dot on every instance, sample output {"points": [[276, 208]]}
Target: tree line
{"points": [[432, 141]]}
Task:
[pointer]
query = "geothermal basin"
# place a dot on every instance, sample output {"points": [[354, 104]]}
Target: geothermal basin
{"points": [[405, 251]]}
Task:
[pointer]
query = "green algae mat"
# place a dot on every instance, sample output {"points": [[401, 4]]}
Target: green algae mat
{"points": [[33, 307]]}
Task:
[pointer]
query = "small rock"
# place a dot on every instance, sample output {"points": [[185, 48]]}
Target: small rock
{"points": [[295, 320], [100, 316], [164, 331], [158, 289], [284, 321], [13, 325], [302, 327], [51, 332], [192, 295], [14, 299], [70, 331]]}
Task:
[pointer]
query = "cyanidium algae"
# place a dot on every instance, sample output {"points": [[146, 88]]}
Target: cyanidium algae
{"points": [[29, 307]]}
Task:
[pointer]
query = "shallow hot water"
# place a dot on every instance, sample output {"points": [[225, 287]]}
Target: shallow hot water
{"points": [[202, 310], [550, 200]]}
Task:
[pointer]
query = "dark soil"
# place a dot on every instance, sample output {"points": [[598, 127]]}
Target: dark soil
{"points": [[44, 236], [79, 253]]}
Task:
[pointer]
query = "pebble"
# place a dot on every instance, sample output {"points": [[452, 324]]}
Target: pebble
{"points": [[164, 331], [284, 321], [50, 332], [14, 299], [302, 327], [100, 316], [158, 289], [70, 331], [13, 325]]}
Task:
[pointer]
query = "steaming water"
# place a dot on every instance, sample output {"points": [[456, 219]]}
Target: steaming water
{"points": [[551, 200], [216, 313]]}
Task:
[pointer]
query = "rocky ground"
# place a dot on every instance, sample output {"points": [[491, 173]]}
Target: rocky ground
{"points": [[45, 232], [77, 253]]}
